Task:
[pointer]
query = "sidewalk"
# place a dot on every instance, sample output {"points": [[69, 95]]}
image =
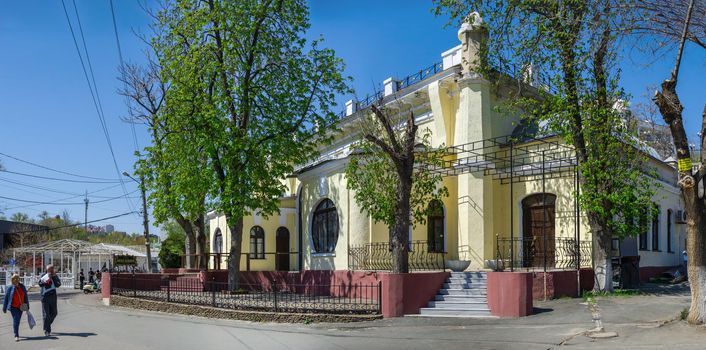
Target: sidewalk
{"points": [[647, 321], [642, 321]]}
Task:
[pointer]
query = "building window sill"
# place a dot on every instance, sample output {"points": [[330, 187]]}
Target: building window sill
{"points": [[656, 251], [670, 251], [644, 250], [323, 255], [257, 258]]}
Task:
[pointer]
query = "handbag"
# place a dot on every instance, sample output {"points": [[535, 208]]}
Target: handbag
{"points": [[24, 307], [30, 320]]}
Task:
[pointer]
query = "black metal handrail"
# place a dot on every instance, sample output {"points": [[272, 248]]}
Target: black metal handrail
{"points": [[540, 253], [401, 84], [273, 296], [420, 75], [370, 99], [377, 256]]}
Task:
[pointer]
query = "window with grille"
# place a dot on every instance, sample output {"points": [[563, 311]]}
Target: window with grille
{"points": [[257, 243], [324, 229]]}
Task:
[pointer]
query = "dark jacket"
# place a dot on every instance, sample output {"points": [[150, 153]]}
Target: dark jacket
{"points": [[55, 280], [9, 294]]}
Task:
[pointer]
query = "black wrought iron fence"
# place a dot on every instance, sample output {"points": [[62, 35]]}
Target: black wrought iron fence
{"points": [[420, 75], [378, 257], [274, 296], [541, 253]]}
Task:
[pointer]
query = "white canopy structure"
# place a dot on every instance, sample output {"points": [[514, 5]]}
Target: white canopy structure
{"points": [[65, 250], [70, 255], [110, 249]]}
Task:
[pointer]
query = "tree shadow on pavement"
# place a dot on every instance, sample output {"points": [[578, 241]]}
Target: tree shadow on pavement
{"points": [[541, 310], [78, 334]]}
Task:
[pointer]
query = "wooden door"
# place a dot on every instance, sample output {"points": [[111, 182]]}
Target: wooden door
{"points": [[538, 213], [282, 259]]}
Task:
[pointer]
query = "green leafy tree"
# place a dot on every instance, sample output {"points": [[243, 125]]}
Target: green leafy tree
{"points": [[172, 246], [390, 174], [172, 168], [569, 46], [20, 217], [261, 96]]}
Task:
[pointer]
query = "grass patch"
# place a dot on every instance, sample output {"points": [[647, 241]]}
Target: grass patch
{"points": [[684, 314], [616, 293], [660, 280]]}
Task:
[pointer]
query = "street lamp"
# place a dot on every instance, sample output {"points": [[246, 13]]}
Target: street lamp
{"points": [[145, 220]]}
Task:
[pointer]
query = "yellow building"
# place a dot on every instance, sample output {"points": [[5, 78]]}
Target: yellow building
{"points": [[510, 203]]}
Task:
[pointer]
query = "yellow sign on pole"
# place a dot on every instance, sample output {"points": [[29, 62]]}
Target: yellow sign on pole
{"points": [[684, 164]]}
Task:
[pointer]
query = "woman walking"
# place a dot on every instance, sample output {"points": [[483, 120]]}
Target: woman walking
{"points": [[17, 301]]}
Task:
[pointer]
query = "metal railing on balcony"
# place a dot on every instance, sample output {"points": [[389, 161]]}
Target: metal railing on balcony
{"points": [[420, 75], [378, 257], [403, 83], [538, 253]]}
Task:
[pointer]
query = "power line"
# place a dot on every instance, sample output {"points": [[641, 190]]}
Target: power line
{"points": [[58, 179], [57, 191], [66, 203], [72, 225], [58, 200], [122, 70], [58, 171], [96, 97]]}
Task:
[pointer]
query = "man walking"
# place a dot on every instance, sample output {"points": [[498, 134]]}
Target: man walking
{"points": [[81, 278], [49, 282]]}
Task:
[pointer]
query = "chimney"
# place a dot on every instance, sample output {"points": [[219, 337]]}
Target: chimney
{"points": [[472, 35]]}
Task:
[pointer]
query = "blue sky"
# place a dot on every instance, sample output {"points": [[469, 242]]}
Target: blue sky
{"points": [[48, 117]]}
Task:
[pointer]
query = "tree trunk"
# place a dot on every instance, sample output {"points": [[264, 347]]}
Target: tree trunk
{"points": [[201, 243], [600, 254], [400, 235], [236, 242], [671, 109], [189, 242]]}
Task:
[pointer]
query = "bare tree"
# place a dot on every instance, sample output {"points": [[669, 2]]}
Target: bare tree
{"points": [[389, 177], [671, 109], [146, 91], [663, 20]]}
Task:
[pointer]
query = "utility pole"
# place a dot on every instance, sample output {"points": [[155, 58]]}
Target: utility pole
{"points": [[146, 223], [145, 218], [85, 217]]}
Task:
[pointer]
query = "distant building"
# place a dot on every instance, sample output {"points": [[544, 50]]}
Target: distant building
{"points": [[109, 228], [95, 229]]}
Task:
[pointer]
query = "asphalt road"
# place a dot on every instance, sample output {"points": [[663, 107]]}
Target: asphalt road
{"points": [[83, 323]]}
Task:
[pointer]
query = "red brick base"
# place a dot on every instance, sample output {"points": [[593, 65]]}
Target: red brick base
{"points": [[560, 284]]}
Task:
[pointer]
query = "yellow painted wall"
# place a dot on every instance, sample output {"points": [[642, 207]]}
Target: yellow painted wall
{"points": [[478, 208], [270, 225]]}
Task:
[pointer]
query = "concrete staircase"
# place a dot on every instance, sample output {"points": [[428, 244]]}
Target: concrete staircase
{"points": [[464, 294]]}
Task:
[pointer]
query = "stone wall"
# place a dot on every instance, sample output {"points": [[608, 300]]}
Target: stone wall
{"points": [[255, 316]]}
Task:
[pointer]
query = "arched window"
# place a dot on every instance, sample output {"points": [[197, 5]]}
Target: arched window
{"points": [[218, 241], [435, 226], [257, 243], [324, 228]]}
